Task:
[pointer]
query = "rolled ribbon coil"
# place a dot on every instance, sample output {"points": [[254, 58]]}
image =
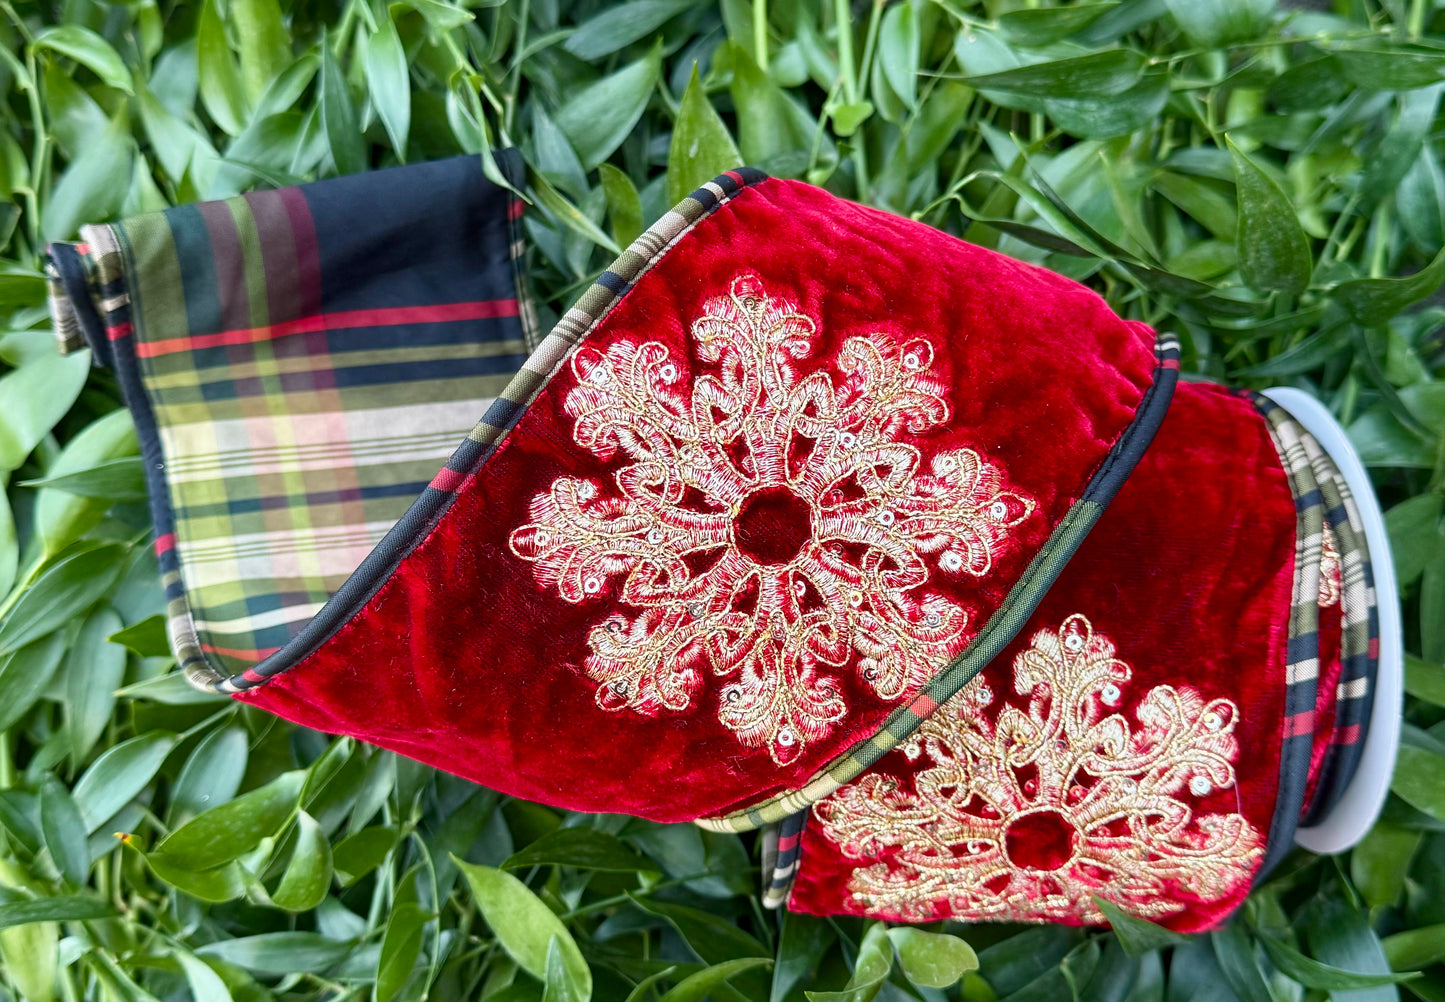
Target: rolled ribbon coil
{"points": [[805, 518]]}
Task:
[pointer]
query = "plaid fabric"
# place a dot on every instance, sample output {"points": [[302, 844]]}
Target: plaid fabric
{"points": [[1360, 647], [782, 845], [299, 363], [1321, 500], [487, 434], [1000, 629], [1320, 491]]}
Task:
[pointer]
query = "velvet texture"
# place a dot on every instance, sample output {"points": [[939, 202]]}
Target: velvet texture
{"points": [[1188, 576], [486, 653]]}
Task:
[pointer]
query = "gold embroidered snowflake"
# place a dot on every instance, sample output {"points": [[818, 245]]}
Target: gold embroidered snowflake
{"points": [[770, 529], [1025, 815]]}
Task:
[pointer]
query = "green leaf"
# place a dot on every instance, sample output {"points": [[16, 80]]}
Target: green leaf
{"points": [[223, 94], [389, 81], [9, 545], [598, 118], [213, 773], [338, 118], [72, 908], [1415, 949], [1381, 861], [847, 117], [231, 830], [357, 855], [62, 517], [1214, 22], [1274, 254], [218, 884], [1382, 64], [36, 396], [559, 984], [1137, 936], [875, 960], [1046, 26], [26, 674], [701, 146], [88, 49], [932, 960], [1235, 954], [308, 874], [713, 938], [1373, 301], [171, 690], [113, 480], [88, 191], [773, 128], [1425, 680], [278, 953], [524, 926], [1098, 73], [696, 986], [64, 590], [584, 848], [898, 43], [1420, 778], [264, 43], [624, 206], [204, 982], [618, 26], [801, 945], [1313, 974], [570, 216], [64, 834], [147, 638], [400, 946], [1110, 115], [94, 669], [119, 774]]}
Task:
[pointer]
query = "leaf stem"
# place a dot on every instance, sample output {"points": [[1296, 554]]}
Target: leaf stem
{"points": [[760, 34]]}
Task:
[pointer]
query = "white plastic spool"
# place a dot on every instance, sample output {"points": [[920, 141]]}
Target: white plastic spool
{"points": [[1362, 800]]}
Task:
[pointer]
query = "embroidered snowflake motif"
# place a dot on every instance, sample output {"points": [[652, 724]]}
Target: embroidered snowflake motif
{"points": [[769, 530], [1025, 815]]}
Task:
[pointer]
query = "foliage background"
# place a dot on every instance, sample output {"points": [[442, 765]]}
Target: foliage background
{"points": [[1263, 180]]}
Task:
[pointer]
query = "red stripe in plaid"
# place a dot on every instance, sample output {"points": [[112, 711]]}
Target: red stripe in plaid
{"points": [[448, 480], [484, 309], [789, 841], [165, 543], [119, 331], [1347, 735], [922, 706], [308, 254], [1299, 723], [236, 652]]}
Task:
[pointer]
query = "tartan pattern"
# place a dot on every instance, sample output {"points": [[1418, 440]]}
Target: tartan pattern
{"points": [[294, 387], [488, 433], [1002, 627], [1321, 499], [1360, 647], [782, 845]]}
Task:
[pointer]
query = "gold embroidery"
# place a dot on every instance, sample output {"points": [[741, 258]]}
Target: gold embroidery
{"points": [[770, 528], [1024, 815], [1331, 574]]}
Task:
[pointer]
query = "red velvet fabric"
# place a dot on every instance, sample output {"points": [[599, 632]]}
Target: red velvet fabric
{"points": [[473, 659], [1188, 574]]}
